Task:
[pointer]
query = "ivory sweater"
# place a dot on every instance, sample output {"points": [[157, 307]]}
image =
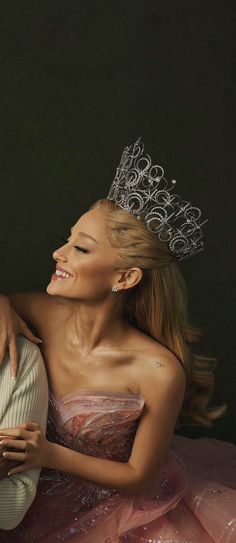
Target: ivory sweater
{"points": [[24, 399]]}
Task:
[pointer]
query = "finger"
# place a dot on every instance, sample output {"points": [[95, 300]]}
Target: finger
{"points": [[20, 469], [3, 351], [14, 443], [13, 357], [27, 332], [30, 426], [16, 432], [9, 432], [18, 457]]}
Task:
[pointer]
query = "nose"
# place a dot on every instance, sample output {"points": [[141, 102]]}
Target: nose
{"points": [[58, 255]]}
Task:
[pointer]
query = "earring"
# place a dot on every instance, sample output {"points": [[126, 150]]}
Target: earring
{"points": [[114, 289]]}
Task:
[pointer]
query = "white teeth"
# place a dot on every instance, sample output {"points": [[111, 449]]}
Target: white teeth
{"points": [[62, 274]]}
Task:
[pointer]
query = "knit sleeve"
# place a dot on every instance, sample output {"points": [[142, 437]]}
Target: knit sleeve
{"points": [[22, 400]]}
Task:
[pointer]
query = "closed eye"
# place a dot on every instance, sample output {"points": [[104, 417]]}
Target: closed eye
{"points": [[77, 247]]}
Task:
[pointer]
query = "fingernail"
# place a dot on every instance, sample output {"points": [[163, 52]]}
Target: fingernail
{"points": [[9, 473], [40, 341], [13, 377]]}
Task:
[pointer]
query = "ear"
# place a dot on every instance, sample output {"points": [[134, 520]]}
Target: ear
{"points": [[129, 278]]}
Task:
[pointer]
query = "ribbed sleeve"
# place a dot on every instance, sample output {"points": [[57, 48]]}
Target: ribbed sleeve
{"points": [[22, 400]]}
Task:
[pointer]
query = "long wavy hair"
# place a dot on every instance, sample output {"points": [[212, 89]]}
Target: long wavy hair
{"points": [[158, 307]]}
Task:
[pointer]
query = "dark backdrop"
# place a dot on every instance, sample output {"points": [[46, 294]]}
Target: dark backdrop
{"points": [[82, 79]]}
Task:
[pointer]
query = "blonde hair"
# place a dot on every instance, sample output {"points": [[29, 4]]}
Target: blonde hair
{"points": [[158, 306]]}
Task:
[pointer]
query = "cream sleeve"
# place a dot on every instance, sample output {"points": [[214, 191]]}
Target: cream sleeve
{"points": [[24, 399]]}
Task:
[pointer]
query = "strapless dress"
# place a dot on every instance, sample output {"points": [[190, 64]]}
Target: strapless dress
{"points": [[192, 499]]}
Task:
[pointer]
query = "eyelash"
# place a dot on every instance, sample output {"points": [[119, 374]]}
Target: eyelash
{"points": [[76, 246]]}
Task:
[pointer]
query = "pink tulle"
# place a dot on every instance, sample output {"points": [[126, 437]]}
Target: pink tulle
{"points": [[192, 499]]}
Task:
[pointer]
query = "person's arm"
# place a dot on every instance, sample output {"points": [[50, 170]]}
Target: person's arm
{"points": [[30, 305], [163, 390], [22, 310], [11, 326], [22, 400]]}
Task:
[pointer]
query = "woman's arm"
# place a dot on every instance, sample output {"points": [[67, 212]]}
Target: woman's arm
{"points": [[18, 312], [164, 391], [23, 399], [30, 305], [12, 325]]}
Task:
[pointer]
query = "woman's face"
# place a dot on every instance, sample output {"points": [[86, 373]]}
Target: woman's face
{"points": [[88, 259]]}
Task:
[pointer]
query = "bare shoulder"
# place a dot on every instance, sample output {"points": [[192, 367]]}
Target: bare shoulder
{"points": [[157, 368], [164, 375]]}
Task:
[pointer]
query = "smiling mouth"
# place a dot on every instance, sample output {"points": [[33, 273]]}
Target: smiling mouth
{"points": [[62, 275]]}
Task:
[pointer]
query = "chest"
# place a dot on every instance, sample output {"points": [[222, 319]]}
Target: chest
{"points": [[67, 370]]}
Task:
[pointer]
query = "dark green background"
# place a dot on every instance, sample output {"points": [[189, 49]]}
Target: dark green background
{"points": [[79, 81]]}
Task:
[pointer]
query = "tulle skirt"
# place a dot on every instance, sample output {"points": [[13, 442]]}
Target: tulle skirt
{"points": [[191, 500]]}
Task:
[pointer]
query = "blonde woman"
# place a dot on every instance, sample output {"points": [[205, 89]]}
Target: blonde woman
{"points": [[117, 349]]}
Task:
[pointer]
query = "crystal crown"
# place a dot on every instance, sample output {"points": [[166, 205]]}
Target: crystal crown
{"points": [[140, 188]]}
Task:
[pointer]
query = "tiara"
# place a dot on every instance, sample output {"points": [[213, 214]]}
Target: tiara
{"points": [[140, 188]]}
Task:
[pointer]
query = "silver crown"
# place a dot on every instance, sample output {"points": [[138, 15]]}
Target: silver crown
{"points": [[140, 188]]}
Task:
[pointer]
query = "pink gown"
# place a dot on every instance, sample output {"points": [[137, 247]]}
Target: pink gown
{"points": [[192, 499]]}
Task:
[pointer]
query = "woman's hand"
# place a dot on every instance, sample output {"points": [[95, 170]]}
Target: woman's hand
{"points": [[5, 464], [34, 448], [11, 326]]}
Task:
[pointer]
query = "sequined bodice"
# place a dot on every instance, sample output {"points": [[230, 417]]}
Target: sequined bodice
{"points": [[93, 423], [73, 510], [96, 423]]}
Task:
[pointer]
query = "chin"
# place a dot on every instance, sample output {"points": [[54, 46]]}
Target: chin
{"points": [[51, 289], [54, 290], [48, 290]]}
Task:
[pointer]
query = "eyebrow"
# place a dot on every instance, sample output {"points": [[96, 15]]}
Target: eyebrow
{"points": [[86, 235]]}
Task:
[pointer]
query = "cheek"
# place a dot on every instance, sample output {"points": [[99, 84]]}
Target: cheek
{"points": [[96, 269]]}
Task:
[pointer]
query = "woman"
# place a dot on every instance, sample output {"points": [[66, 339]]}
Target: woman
{"points": [[116, 345]]}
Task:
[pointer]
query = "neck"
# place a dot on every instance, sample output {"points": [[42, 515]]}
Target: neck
{"points": [[94, 326]]}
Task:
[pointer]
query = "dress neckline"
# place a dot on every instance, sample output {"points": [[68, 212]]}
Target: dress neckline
{"points": [[90, 392]]}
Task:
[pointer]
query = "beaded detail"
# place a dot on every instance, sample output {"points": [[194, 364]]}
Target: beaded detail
{"points": [[191, 499]]}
